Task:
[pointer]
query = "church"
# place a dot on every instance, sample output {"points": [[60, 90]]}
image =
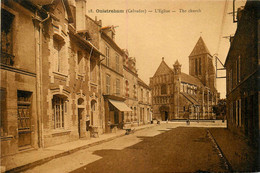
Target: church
{"points": [[177, 95]]}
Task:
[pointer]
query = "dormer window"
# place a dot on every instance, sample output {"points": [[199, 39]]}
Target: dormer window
{"points": [[85, 35]]}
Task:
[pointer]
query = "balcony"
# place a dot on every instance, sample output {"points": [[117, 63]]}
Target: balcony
{"points": [[7, 59]]}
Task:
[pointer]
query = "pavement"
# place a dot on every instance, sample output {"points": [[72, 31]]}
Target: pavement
{"points": [[18, 163], [168, 147], [29, 159], [241, 156]]}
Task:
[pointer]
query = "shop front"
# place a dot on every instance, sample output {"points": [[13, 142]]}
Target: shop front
{"points": [[115, 109]]}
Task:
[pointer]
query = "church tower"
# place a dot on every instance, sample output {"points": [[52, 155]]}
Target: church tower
{"points": [[201, 64], [176, 89]]}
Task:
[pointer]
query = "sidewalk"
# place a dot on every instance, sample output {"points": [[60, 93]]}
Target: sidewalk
{"points": [[29, 159], [239, 154]]}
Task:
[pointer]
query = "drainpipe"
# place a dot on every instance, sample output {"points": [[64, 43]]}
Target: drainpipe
{"points": [[38, 69]]}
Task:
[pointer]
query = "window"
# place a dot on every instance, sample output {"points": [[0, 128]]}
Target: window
{"points": [[142, 94], [126, 89], [230, 80], [117, 63], [93, 109], [108, 84], [199, 66], [117, 86], [58, 56], [164, 89], [93, 73], [134, 91], [238, 69], [196, 66], [58, 108], [147, 96], [81, 63], [7, 56], [238, 112], [3, 112], [107, 56]]}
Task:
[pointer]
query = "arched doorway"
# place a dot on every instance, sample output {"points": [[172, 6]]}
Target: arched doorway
{"points": [[80, 115], [164, 112]]}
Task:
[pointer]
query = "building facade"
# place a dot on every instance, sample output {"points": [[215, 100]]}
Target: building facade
{"points": [[144, 103], [63, 77], [130, 89], [51, 87], [19, 66], [114, 107], [176, 95], [242, 70]]}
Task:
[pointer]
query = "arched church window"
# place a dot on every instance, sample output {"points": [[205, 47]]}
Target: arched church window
{"points": [[163, 89]]}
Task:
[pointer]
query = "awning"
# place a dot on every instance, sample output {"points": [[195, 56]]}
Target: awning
{"points": [[121, 106]]}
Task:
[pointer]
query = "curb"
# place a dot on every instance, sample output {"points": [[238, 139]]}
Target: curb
{"points": [[220, 152], [65, 153]]}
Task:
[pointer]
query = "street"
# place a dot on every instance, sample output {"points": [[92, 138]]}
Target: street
{"points": [[162, 148]]}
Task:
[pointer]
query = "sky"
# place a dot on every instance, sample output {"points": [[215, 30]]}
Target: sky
{"points": [[152, 35]]}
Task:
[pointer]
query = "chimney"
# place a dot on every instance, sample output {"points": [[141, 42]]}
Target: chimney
{"points": [[80, 14]]}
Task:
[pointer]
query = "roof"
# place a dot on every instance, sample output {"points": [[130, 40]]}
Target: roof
{"points": [[190, 98], [163, 69], [140, 81], [200, 48], [190, 79], [177, 63]]}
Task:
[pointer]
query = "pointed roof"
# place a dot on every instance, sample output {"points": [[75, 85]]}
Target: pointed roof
{"points": [[177, 63], [200, 48], [163, 69], [190, 79]]}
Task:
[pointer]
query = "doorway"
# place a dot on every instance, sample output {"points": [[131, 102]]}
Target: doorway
{"points": [[80, 117], [166, 115], [24, 118], [80, 112]]}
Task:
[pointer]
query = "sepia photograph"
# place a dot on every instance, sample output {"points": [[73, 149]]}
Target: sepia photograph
{"points": [[130, 86]]}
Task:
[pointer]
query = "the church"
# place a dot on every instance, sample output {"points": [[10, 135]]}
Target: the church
{"points": [[177, 95]]}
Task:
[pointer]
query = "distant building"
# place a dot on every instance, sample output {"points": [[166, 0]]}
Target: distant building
{"points": [[242, 69], [144, 103], [176, 95], [131, 89], [114, 107]]}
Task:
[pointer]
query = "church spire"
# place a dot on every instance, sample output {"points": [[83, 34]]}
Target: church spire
{"points": [[200, 48]]}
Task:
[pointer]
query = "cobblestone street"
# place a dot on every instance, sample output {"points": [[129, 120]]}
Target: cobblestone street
{"points": [[163, 148]]}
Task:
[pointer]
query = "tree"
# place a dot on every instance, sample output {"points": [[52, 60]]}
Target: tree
{"points": [[220, 109]]}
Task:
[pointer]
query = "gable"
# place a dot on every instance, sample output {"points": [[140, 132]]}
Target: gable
{"points": [[200, 48], [59, 9], [163, 69]]}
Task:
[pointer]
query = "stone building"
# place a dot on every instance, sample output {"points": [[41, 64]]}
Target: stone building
{"points": [[70, 75], [114, 107], [137, 95], [176, 95], [130, 89], [242, 70], [56, 84], [50, 81], [144, 103], [19, 66]]}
